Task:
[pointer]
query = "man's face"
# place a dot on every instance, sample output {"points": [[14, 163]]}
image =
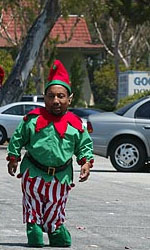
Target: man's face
{"points": [[57, 99]]}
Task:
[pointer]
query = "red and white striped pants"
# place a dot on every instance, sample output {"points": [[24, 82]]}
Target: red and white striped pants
{"points": [[44, 202]]}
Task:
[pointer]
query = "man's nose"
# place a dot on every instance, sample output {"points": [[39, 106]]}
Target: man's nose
{"points": [[56, 99]]}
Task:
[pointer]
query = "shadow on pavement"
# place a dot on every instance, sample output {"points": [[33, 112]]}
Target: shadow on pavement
{"points": [[3, 147], [110, 171], [17, 245], [13, 244], [98, 171], [115, 171]]}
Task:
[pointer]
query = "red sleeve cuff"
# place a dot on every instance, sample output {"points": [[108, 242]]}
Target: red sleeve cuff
{"points": [[13, 158], [84, 160]]}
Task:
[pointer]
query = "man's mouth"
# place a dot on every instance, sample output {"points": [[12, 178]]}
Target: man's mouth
{"points": [[57, 109]]}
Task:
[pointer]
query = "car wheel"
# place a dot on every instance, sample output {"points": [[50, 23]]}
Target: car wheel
{"points": [[3, 135], [128, 155]]}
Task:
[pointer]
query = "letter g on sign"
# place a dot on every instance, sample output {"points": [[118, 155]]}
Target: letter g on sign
{"points": [[137, 80]]}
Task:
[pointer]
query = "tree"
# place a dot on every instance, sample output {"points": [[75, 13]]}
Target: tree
{"points": [[120, 26], [6, 62], [104, 94], [21, 14], [77, 75], [120, 37], [28, 54]]}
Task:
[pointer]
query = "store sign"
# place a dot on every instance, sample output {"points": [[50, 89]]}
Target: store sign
{"points": [[141, 81], [133, 82]]}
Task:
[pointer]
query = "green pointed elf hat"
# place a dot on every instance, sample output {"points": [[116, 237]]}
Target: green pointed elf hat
{"points": [[58, 75]]}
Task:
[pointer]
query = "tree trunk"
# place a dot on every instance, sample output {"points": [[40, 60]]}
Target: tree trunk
{"points": [[18, 78], [116, 61], [40, 72], [116, 58]]}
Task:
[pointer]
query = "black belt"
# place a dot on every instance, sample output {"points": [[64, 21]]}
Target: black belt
{"points": [[48, 170]]}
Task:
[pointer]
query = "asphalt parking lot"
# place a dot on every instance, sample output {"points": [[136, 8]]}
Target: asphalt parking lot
{"points": [[111, 211]]}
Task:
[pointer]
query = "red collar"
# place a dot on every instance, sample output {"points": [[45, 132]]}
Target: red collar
{"points": [[60, 122]]}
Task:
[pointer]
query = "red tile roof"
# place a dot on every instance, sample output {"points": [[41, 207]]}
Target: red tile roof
{"points": [[62, 31], [80, 38], [9, 26]]}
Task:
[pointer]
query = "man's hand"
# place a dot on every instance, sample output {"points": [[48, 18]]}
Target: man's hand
{"points": [[12, 167], [85, 172]]}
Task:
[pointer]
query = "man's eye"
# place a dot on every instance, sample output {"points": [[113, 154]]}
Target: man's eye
{"points": [[50, 96], [61, 96]]}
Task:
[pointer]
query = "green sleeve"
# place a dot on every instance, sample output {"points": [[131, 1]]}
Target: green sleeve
{"points": [[84, 147], [18, 140]]}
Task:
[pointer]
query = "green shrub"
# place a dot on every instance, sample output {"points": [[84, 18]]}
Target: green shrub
{"points": [[105, 87], [77, 78], [128, 99], [6, 61]]}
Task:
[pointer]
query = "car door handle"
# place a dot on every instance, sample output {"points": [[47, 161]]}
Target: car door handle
{"points": [[147, 127]]}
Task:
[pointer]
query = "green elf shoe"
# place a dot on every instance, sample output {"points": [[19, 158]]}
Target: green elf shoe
{"points": [[34, 235], [60, 237]]}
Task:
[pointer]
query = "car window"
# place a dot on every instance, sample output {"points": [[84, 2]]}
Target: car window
{"points": [[143, 112], [27, 99], [40, 99], [92, 111], [32, 98], [124, 109], [77, 112], [16, 110], [83, 112], [29, 107]]}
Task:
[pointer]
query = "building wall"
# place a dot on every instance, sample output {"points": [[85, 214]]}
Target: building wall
{"points": [[67, 58]]}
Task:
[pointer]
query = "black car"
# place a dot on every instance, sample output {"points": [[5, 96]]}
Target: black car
{"points": [[85, 112]]}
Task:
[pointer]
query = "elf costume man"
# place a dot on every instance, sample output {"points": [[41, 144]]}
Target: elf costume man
{"points": [[51, 136]]}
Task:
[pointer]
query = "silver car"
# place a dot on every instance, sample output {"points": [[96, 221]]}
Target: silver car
{"points": [[12, 114], [124, 135]]}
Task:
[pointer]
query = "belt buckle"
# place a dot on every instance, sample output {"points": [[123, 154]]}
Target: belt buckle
{"points": [[51, 171]]}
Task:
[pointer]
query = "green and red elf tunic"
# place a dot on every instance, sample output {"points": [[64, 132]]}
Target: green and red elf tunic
{"points": [[52, 141]]}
